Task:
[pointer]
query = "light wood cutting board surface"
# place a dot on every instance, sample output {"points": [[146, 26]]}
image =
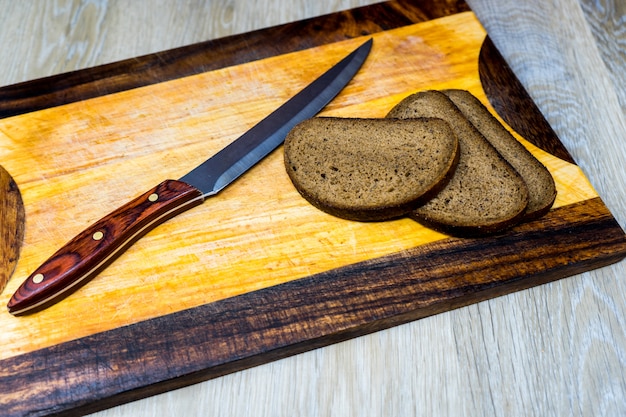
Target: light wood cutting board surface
{"points": [[544, 326], [259, 233]]}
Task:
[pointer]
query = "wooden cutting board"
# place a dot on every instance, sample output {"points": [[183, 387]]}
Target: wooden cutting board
{"points": [[255, 274], [11, 226]]}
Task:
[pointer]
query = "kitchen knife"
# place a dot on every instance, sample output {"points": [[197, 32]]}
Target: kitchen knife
{"points": [[97, 246]]}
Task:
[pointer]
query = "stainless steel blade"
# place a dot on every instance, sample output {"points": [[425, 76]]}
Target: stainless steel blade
{"points": [[227, 165]]}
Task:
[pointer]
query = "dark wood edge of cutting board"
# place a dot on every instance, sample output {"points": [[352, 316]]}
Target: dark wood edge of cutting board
{"points": [[12, 219], [512, 102], [168, 352], [176, 350]]}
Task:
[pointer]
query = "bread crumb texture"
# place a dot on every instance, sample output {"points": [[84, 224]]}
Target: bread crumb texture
{"points": [[439, 157], [485, 194], [369, 169]]}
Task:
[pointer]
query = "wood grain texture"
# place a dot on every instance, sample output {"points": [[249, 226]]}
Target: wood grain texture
{"points": [[291, 318], [175, 63], [550, 46], [567, 336], [556, 74], [607, 23], [243, 233], [11, 227], [513, 103]]}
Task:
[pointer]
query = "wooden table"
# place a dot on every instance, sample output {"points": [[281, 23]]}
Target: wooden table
{"points": [[557, 349]]}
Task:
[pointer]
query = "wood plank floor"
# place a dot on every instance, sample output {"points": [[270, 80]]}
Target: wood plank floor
{"points": [[558, 349]]}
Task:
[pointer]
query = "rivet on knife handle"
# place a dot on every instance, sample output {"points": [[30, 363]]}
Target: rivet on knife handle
{"points": [[98, 245], [93, 249]]}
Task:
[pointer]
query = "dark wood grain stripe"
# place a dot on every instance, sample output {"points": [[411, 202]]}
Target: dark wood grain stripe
{"points": [[172, 351], [12, 219], [510, 99], [210, 55]]}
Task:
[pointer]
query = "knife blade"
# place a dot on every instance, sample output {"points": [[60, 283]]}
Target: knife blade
{"points": [[96, 247]]}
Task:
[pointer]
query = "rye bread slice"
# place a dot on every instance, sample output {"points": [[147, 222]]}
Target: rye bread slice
{"points": [[370, 169], [541, 187], [485, 193]]}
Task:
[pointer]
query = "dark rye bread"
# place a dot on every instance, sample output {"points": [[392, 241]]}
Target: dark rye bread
{"points": [[370, 169], [485, 193], [541, 187]]}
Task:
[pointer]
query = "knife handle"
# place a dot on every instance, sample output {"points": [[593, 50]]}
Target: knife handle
{"points": [[101, 243]]}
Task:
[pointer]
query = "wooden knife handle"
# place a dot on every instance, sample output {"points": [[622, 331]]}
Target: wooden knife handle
{"points": [[101, 243]]}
